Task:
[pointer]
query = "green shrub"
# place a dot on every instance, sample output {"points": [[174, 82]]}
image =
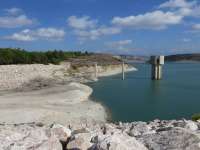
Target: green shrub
{"points": [[18, 56], [195, 117]]}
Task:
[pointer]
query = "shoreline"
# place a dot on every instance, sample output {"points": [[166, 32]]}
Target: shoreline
{"points": [[45, 100], [53, 131], [117, 71], [108, 74]]}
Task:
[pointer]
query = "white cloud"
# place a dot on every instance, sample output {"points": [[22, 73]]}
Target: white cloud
{"points": [[178, 4], [20, 37], [120, 43], [49, 33], [195, 12], [94, 34], [108, 30], [14, 22], [196, 27], [183, 7], [81, 22], [177, 11], [184, 12], [89, 29], [172, 12], [41, 33], [13, 11], [123, 45], [186, 40], [152, 20], [15, 18]]}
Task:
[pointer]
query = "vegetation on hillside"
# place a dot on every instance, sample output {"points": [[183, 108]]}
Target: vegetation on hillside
{"points": [[196, 117], [183, 57], [19, 56]]}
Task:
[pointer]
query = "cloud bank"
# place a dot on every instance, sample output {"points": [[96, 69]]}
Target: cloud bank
{"points": [[15, 18], [38, 34]]}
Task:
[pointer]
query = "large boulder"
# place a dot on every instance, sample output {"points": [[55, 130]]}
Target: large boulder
{"points": [[191, 125], [61, 132], [117, 142], [81, 141], [24, 137], [140, 128], [171, 139]]}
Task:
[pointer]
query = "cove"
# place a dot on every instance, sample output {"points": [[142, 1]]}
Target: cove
{"points": [[138, 98]]}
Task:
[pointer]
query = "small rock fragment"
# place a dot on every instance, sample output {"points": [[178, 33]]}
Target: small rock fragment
{"points": [[61, 132]]}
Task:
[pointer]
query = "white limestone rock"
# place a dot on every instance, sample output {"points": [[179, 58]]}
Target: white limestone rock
{"points": [[118, 142], [191, 125], [24, 137], [140, 128], [171, 139], [82, 141], [61, 132]]}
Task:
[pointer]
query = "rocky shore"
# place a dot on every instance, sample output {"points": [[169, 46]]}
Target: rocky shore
{"points": [[50, 93], [48, 108], [155, 135]]}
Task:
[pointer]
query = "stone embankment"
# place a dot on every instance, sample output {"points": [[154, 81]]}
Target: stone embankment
{"points": [[50, 93], [155, 135], [38, 75], [15, 76]]}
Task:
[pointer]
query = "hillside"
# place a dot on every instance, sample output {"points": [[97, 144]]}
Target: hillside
{"points": [[10, 56], [132, 58], [183, 57]]}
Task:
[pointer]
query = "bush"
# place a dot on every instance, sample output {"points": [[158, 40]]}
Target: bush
{"points": [[18, 56], [196, 117]]}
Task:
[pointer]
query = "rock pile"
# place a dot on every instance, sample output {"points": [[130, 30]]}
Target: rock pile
{"points": [[14, 76], [155, 135], [36, 76]]}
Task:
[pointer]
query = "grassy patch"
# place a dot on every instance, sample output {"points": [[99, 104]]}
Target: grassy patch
{"points": [[196, 117], [19, 56]]}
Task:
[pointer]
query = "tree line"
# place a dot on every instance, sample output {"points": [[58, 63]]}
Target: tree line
{"points": [[20, 56]]}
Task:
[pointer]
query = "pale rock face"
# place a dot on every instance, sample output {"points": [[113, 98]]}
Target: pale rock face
{"points": [[174, 138], [191, 125], [82, 141], [118, 142], [114, 137], [15, 76], [139, 128], [25, 137], [61, 132], [155, 135]]}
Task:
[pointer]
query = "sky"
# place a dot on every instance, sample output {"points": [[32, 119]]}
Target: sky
{"points": [[137, 27]]}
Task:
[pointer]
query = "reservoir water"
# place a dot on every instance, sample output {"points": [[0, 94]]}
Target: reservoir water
{"points": [[138, 98]]}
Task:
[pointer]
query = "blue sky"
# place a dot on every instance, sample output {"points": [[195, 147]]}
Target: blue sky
{"points": [[141, 27]]}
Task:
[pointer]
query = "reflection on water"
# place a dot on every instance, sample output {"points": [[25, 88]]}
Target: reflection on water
{"points": [[140, 98]]}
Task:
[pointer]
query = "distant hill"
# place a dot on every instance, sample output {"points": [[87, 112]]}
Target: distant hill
{"points": [[132, 58], [10, 56], [183, 57]]}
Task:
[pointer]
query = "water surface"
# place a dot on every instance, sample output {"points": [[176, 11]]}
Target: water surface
{"points": [[139, 98]]}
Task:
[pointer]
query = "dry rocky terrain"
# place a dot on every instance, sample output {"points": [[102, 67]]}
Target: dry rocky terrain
{"points": [[155, 135], [50, 93], [47, 107]]}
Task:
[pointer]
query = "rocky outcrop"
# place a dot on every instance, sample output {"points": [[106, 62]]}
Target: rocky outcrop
{"points": [[50, 93], [60, 103], [15, 76], [28, 136], [37, 76], [155, 135], [106, 70]]}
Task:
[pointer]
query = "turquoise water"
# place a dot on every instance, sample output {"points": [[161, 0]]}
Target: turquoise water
{"points": [[139, 98]]}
